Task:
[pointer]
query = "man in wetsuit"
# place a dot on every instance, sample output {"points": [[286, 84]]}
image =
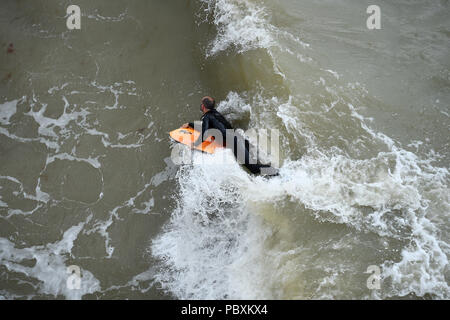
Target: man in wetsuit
{"points": [[212, 119]]}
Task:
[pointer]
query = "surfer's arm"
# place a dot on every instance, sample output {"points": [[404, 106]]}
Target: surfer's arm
{"points": [[205, 126]]}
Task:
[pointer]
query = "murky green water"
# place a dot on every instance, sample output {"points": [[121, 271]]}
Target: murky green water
{"points": [[86, 177]]}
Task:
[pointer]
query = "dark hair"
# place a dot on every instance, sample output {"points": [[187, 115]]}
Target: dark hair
{"points": [[209, 103]]}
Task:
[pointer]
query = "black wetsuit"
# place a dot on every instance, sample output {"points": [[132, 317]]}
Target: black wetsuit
{"points": [[214, 120]]}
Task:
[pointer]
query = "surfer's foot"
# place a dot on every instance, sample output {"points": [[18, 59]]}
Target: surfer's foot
{"points": [[267, 170]]}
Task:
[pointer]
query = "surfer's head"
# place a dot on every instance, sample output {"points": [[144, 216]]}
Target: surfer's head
{"points": [[208, 103]]}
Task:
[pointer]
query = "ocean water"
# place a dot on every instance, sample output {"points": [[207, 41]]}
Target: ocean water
{"points": [[87, 179]]}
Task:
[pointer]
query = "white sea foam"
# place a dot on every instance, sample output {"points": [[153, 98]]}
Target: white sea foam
{"points": [[234, 107], [214, 246], [244, 25], [7, 110], [240, 24], [47, 124], [50, 265]]}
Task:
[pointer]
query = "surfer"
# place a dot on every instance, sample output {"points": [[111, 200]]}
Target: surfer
{"points": [[212, 119]]}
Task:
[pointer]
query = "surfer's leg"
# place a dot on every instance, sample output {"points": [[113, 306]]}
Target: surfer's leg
{"points": [[240, 151]]}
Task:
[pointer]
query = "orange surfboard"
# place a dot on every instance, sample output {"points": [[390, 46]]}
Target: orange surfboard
{"points": [[187, 136]]}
